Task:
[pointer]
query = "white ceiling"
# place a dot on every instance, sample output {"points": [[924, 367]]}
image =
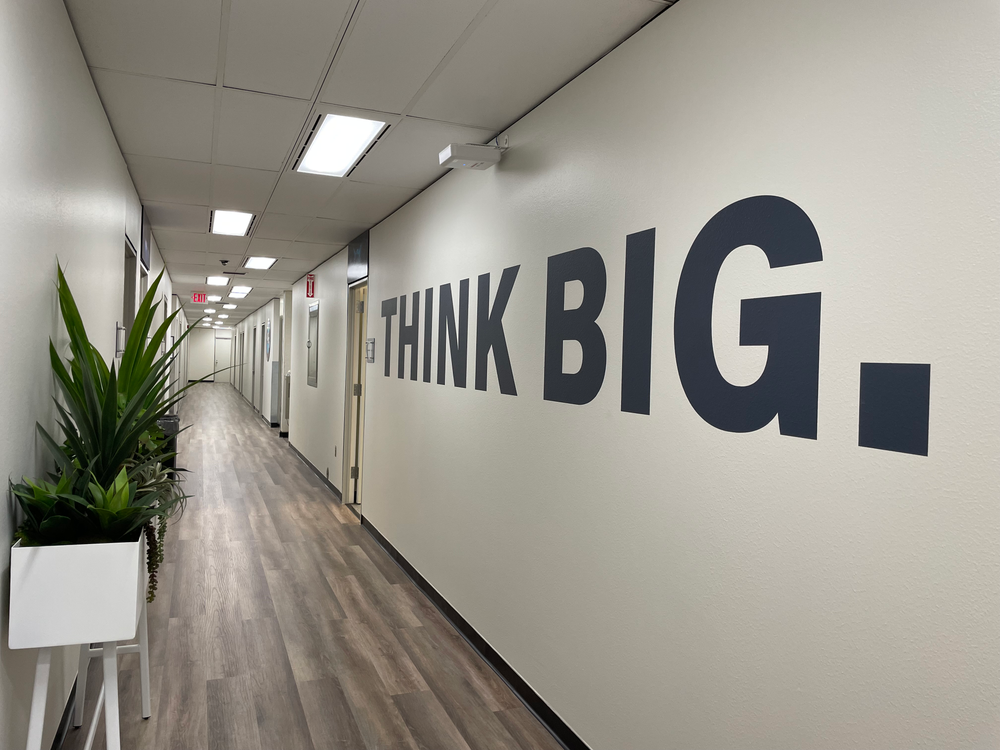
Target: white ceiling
{"points": [[211, 99]]}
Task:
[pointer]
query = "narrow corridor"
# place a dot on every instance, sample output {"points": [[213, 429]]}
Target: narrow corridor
{"points": [[281, 625]]}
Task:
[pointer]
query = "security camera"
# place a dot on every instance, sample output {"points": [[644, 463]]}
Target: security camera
{"points": [[224, 262]]}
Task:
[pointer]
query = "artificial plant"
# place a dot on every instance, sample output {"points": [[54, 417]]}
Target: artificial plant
{"points": [[110, 484]]}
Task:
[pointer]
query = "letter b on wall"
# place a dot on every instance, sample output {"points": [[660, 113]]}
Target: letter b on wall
{"points": [[789, 326], [578, 324]]}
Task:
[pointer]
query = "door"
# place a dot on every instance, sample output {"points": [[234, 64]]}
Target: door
{"points": [[240, 357], [223, 349], [354, 425], [253, 368]]}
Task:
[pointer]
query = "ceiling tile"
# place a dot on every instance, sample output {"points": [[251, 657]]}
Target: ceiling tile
{"points": [[522, 52], [179, 278], [170, 180], [178, 216], [363, 203], [309, 251], [331, 231], [157, 117], [287, 277], [281, 47], [408, 154], [215, 260], [392, 50], [184, 257], [192, 270], [280, 226], [292, 265], [300, 194], [225, 245], [171, 240], [177, 39], [257, 130], [268, 248], [241, 189], [267, 285]]}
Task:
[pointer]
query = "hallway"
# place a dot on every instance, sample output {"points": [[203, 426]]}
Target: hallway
{"points": [[279, 623]]}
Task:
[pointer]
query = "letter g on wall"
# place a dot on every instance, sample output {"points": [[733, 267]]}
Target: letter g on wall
{"points": [[789, 326]]}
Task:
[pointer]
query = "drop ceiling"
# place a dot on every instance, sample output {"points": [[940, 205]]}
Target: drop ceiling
{"points": [[210, 101]]}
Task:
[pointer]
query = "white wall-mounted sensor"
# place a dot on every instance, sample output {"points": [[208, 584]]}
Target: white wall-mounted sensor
{"points": [[469, 156]]}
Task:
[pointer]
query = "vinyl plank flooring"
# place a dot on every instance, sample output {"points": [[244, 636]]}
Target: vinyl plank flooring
{"points": [[428, 722], [281, 625], [272, 553], [527, 730], [232, 724], [479, 726], [383, 649], [328, 714]]}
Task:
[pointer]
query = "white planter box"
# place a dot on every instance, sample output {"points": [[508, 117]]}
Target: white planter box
{"points": [[76, 593]]}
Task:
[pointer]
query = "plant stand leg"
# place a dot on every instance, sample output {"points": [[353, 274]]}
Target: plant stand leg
{"points": [[144, 662], [38, 697], [81, 684], [112, 727]]}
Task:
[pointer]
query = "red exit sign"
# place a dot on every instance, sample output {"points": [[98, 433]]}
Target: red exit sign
{"points": [[199, 298], [310, 285]]}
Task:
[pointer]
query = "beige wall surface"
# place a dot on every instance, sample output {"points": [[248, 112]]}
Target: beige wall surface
{"points": [[660, 582], [316, 414], [64, 193], [248, 382]]}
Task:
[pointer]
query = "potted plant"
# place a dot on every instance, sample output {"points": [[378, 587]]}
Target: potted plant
{"points": [[86, 553]]}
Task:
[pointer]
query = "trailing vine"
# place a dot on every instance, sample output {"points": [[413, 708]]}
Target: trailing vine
{"points": [[155, 535]]}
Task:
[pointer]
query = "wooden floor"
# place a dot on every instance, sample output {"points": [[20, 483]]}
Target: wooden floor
{"points": [[281, 625]]}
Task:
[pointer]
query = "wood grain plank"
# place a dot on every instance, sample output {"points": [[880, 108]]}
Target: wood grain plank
{"points": [[328, 714], [479, 726], [377, 638], [232, 724], [527, 730], [429, 723]]}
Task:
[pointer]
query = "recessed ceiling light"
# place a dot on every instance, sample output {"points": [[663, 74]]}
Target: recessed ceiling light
{"points": [[209, 310], [214, 298], [260, 264], [237, 295], [229, 307], [242, 289], [218, 280], [207, 325], [223, 315], [233, 223], [338, 144]]}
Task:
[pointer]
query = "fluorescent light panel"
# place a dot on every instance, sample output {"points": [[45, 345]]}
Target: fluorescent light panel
{"points": [[209, 310], [338, 144], [233, 223], [214, 298], [218, 281], [242, 289], [222, 315], [237, 295], [258, 263], [229, 307]]}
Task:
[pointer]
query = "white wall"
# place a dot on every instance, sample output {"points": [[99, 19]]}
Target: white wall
{"points": [[660, 582], [64, 190], [316, 414], [262, 398], [286, 355]]}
